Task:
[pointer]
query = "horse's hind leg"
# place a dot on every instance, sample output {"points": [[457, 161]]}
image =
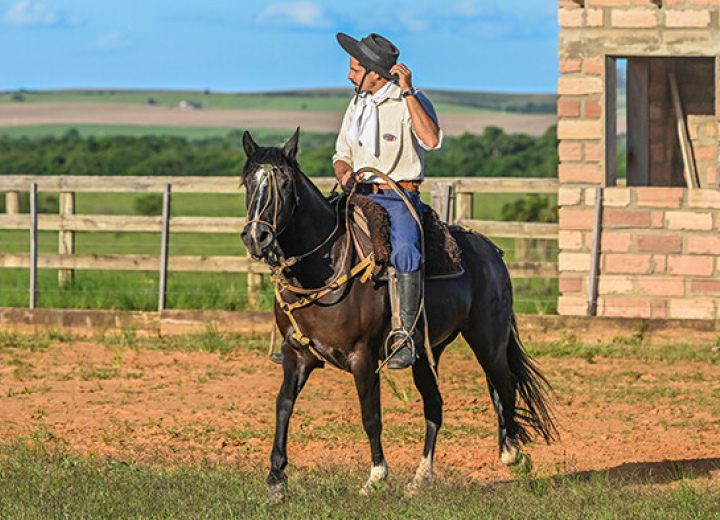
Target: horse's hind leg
{"points": [[492, 355], [297, 367], [367, 382], [432, 406]]}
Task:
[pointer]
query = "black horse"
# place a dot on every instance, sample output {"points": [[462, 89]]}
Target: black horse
{"points": [[292, 226]]}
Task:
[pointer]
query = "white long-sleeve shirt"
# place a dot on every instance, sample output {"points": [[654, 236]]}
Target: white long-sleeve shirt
{"points": [[401, 152]]}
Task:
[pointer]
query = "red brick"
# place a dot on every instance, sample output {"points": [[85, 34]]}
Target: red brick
{"points": [[570, 284], [572, 306], [692, 309], [594, 65], [574, 262], [573, 129], [571, 218], [616, 242], [609, 3], [593, 152], [570, 17], [626, 263], [691, 265], [589, 173], [634, 18], [570, 151], [579, 85], [568, 107], [658, 219], [660, 309], [570, 65], [661, 286], [660, 243], [705, 286], [626, 218], [594, 17], [627, 307], [704, 245], [660, 197], [688, 220], [659, 263], [705, 153], [593, 108], [687, 18]]}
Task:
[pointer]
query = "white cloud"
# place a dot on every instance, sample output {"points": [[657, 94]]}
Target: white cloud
{"points": [[112, 41], [413, 23], [306, 15], [26, 13]]}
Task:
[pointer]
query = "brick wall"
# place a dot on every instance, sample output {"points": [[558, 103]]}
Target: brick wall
{"points": [[660, 252], [660, 246]]}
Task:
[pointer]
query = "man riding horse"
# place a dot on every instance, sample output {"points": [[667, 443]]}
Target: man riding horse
{"points": [[388, 126]]}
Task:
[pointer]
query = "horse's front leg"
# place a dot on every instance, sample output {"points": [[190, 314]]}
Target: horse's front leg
{"points": [[367, 382], [297, 366], [432, 407]]}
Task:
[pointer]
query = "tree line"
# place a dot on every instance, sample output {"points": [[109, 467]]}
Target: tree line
{"points": [[490, 154]]}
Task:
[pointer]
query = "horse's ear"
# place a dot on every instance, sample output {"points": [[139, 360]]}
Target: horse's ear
{"points": [[291, 147], [248, 143]]}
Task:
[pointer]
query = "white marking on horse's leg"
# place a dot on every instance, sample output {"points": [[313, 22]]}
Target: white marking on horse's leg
{"points": [[423, 476], [377, 474], [510, 453]]}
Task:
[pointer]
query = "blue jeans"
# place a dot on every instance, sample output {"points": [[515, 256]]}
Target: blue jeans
{"points": [[404, 232]]}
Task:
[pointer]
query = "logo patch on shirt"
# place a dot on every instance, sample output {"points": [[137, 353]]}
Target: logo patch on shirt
{"points": [[389, 138]]}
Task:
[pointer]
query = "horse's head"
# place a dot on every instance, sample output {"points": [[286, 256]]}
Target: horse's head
{"points": [[269, 177]]}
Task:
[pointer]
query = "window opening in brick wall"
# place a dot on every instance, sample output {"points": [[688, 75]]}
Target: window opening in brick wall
{"points": [[657, 149]]}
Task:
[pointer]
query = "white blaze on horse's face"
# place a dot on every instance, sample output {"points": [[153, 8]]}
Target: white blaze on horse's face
{"points": [[261, 181], [258, 232]]}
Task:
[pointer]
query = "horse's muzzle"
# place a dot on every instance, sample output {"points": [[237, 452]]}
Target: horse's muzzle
{"points": [[259, 238]]}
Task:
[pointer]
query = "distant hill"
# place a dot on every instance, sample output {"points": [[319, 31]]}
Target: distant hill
{"points": [[330, 99]]}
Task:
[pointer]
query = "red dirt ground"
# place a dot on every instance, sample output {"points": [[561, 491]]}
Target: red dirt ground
{"points": [[637, 418]]}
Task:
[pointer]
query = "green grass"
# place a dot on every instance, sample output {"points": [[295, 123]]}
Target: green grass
{"points": [[52, 484], [127, 290], [322, 100]]}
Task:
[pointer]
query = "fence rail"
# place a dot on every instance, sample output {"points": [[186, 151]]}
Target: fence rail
{"points": [[457, 204]]}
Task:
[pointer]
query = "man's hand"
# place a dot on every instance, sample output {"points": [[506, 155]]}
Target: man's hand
{"points": [[404, 76], [345, 175]]}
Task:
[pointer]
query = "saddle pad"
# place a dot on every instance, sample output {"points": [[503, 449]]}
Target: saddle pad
{"points": [[442, 254]]}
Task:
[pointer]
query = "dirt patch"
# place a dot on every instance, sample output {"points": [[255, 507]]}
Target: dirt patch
{"points": [[32, 114], [634, 418]]}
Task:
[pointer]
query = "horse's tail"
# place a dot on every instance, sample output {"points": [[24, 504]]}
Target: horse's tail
{"points": [[534, 410]]}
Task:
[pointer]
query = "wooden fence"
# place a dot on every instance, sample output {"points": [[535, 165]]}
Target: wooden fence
{"points": [[451, 197]]}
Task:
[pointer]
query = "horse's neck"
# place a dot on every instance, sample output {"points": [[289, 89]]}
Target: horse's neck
{"points": [[313, 223]]}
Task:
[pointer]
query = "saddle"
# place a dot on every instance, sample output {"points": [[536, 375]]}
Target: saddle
{"points": [[370, 227]]}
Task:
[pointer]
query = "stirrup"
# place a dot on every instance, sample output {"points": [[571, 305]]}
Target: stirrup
{"points": [[401, 354]]}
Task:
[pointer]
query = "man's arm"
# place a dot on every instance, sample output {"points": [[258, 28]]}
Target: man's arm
{"points": [[425, 126]]}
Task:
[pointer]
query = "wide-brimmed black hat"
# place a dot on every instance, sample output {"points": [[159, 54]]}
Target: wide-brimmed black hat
{"points": [[374, 52]]}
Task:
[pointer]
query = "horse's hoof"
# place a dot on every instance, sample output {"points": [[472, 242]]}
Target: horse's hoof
{"points": [[510, 453], [276, 493], [378, 474]]}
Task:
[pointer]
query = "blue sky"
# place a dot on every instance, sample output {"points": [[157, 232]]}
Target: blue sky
{"points": [[253, 45]]}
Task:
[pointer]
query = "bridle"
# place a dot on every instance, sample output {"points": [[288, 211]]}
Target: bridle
{"points": [[276, 259]]}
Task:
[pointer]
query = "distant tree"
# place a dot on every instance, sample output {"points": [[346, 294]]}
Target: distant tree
{"points": [[149, 205]]}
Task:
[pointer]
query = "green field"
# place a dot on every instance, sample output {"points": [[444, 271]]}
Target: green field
{"points": [[126, 290], [321, 100]]}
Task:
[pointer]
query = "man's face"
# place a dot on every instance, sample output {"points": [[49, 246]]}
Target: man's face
{"points": [[357, 71]]}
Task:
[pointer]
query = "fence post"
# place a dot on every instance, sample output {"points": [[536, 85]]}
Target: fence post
{"points": [[12, 203], [33, 244], [441, 199], [463, 206], [595, 255], [164, 246], [255, 282], [66, 238]]}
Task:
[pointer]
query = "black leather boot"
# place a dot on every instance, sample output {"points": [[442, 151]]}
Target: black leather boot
{"points": [[409, 288]]}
